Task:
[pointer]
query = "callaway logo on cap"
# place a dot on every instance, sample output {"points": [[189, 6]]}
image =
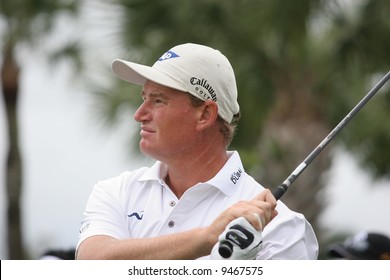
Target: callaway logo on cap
{"points": [[200, 70]]}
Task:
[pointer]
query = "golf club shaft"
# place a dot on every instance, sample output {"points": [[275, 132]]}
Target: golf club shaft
{"points": [[281, 189], [226, 246]]}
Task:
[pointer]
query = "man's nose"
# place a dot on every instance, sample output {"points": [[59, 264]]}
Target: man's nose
{"points": [[141, 114]]}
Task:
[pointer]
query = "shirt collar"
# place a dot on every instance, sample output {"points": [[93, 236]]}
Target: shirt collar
{"points": [[230, 176], [225, 180], [158, 171]]}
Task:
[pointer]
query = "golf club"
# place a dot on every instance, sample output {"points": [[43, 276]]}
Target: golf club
{"points": [[225, 247]]}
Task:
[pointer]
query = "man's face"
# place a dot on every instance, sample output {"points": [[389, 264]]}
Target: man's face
{"points": [[168, 122]]}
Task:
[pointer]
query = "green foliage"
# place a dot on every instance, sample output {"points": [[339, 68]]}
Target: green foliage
{"points": [[293, 59], [27, 20]]}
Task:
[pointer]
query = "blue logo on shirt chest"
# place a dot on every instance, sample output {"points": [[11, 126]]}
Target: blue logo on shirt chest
{"points": [[137, 215]]}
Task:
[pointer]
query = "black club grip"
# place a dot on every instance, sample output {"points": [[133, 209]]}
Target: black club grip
{"points": [[279, 191], [225, 249]]}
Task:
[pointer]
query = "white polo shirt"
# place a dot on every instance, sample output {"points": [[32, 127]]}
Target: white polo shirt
{"points": [[139, 204]]}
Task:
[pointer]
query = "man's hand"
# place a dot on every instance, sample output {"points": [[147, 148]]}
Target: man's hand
{"points": [[241, 223]]}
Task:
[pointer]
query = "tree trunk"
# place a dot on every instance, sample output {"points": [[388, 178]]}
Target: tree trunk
{"points": [[10, 88], [292, 130]]}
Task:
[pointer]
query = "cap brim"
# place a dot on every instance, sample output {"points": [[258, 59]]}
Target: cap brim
{"points": [[339, 252], [138, 74]]}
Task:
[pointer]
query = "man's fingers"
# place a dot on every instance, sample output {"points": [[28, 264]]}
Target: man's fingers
{"points": [[260, 220], [258, 212], [266, 195]]}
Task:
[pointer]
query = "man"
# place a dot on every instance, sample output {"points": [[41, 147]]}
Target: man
{"points": [[361, 246], [192, 197]]}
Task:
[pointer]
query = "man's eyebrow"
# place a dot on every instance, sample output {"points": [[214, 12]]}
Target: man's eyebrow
{"points": [[155, 94]]}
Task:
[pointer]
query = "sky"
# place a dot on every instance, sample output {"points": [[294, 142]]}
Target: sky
{"points": [[66, 150]]}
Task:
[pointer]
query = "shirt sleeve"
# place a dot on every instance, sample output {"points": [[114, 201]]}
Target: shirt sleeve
{"points": [[104, 214], [289, 238]]}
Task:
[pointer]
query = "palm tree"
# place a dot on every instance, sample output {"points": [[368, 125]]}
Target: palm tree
{"points": [[25, 23]]}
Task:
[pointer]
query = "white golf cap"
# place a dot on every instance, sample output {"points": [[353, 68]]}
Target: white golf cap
{"points": [[200, 70]]}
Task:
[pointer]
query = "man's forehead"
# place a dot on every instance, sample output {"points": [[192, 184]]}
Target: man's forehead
{"points": [[151, 87]]}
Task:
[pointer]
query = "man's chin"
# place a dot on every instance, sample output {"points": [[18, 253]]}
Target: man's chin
{"points": [[149, 151]]}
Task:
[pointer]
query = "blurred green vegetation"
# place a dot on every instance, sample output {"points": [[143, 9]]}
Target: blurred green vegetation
{"points": [[300, 68]]}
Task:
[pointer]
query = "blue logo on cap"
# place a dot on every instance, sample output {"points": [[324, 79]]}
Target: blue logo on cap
{"points": [[168, 55]]}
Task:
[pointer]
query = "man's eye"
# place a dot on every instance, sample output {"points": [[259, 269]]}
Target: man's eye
{"points": [[159, 100]]}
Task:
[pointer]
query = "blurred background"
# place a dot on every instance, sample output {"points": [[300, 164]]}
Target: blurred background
{"points": [[301, 66]]}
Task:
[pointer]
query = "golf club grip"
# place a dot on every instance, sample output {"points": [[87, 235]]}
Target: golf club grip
{"points": [[279, 191], [225, 249]]}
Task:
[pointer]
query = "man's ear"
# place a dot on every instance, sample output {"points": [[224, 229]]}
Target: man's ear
{"points": [[208, 114]]}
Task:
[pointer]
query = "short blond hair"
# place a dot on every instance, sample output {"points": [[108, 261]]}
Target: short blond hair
{"points": [[227, 129]]}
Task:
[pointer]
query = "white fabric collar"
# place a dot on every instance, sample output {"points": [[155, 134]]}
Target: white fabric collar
{"points": [[225, 180]]}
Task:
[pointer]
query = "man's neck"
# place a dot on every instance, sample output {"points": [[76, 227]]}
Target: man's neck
{"points": [[183, 173]]}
